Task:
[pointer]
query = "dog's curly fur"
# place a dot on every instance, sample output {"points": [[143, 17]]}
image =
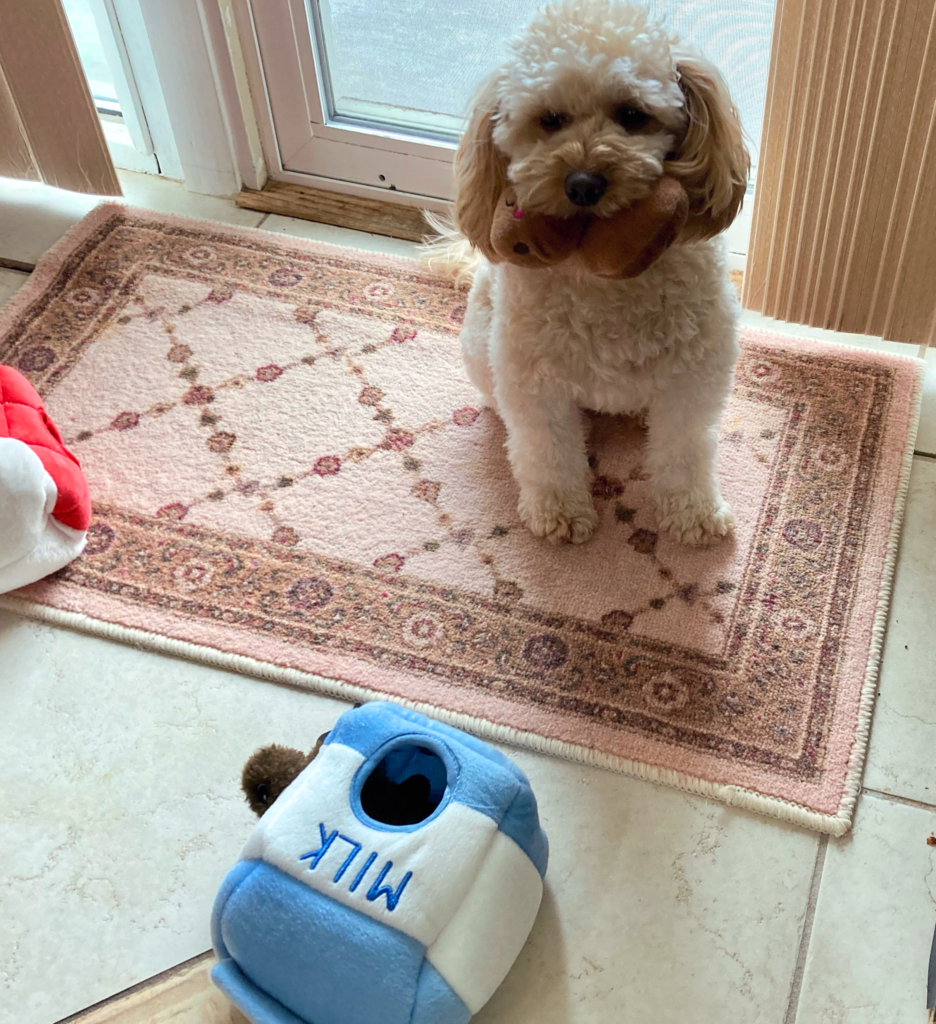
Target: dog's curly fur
{"points": [[544, 345]]}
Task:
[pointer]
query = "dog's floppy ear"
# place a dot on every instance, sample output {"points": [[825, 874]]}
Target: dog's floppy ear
{"points": [[711, 161], [480, 173]]}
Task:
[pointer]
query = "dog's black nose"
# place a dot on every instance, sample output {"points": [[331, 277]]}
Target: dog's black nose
{"points": [[584, 188]]}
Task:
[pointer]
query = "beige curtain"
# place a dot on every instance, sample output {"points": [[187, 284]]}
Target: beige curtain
{"points": [[49, 129], [844, 231]]}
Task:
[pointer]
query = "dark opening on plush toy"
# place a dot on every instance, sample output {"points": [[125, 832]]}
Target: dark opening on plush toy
{"points": [[405, 786]]}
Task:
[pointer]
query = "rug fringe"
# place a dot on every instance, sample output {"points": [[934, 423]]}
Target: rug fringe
{"points": [[734, 796]]}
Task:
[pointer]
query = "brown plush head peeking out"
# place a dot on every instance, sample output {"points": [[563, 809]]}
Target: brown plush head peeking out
{"points": [[270, 770], [621, 246]]}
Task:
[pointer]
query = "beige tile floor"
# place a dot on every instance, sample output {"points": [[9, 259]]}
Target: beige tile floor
{"points": [[120, 812]]}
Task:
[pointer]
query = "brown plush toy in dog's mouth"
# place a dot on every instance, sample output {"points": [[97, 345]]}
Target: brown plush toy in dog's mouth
{"points": [[621, 246]]}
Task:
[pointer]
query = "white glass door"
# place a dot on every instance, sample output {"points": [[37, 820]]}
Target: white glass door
{"points": [[373, 92]]}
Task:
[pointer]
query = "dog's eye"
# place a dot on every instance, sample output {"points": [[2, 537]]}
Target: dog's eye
{"points": [[631, 119], [552, 122]]}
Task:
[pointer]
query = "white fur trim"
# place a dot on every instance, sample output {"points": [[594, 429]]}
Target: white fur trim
{"points": [[443, 855], [481, 942], [32, 542]]}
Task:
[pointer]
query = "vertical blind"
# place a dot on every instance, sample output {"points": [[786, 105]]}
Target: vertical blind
{"points": [[844, 230]]}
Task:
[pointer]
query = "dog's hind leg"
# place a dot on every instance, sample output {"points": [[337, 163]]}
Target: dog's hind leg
{"points": [[476, 336]]}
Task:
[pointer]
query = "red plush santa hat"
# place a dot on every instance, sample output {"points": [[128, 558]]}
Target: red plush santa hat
{"points": [[45, 507]]}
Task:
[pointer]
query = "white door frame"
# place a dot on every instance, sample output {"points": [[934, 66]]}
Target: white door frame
{"points": [[118, 60], [179, 77], [140, 139], [187, 68], [183, 93], [302, 145]]}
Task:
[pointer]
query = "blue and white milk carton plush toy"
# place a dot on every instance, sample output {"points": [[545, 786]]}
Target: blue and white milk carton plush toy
{"points": [[394, 880]]}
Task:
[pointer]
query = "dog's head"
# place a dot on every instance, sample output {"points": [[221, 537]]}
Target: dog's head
{"points": [[594, 104]]}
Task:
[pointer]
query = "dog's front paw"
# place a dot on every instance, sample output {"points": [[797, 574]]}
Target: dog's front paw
{"points": [[695, 523], [561, 518]]}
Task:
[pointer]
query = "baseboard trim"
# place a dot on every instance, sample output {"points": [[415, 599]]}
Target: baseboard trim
{"points": [[372, 215]]}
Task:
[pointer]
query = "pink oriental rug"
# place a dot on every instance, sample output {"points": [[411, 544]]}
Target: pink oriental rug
{"points": [[293, 478]]}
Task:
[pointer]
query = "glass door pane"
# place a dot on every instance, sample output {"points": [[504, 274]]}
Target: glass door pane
{"points": [[103, 57], [93, 59], [413, 65]]}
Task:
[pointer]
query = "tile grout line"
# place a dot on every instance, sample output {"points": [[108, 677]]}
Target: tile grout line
{"points": [[907, 801], [263, 220], [796, 985], [924, 455]]}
